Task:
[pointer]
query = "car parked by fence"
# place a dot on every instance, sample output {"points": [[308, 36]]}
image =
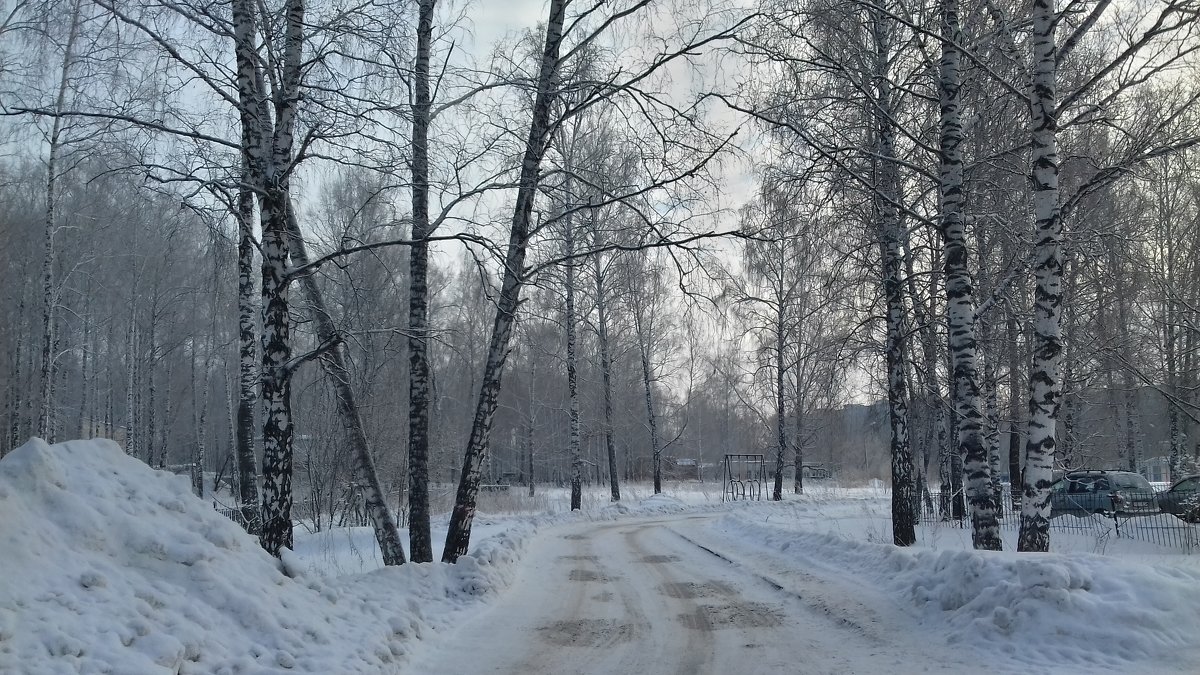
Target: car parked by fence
{"points": [[1183, 499], [1085, 492]]}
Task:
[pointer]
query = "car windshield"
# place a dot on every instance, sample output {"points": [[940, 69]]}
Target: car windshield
{"points": [[1131, 481], [1189, 485]]}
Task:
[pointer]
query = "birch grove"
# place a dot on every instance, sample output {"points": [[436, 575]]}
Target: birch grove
{"points": [[367, 264]]}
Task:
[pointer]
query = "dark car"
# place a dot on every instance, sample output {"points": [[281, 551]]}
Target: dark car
{"points": [[1183, 499], [1085, 492]]}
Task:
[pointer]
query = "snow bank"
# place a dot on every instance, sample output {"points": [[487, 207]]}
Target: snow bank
{"points": [[111, 567], [1077, 609]]}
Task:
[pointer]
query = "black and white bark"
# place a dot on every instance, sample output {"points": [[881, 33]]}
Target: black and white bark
{"points": [[247, 389], [891, 237], [277, 458], [991, 436], [571, 330], [274, 200], [333, 362], [254, 115], [458, 534], [419, 384], [574, 150], [1045, 383], [960, 292]]}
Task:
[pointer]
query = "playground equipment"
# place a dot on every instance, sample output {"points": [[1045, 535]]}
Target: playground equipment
{"points": [[743, 477]]}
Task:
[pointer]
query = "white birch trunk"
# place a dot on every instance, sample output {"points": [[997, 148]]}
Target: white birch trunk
{"points": [[960, 294], [247, 389], [891, 237], [387, 535], [1045, 384], [254, 121], [419, 382], [277, 458]]}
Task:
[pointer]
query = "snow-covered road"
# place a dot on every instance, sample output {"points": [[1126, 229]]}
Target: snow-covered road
{"points": [[670, 594], [109, 566]]}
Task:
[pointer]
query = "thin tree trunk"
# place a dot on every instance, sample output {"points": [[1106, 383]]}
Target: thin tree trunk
{"points": [[168, 421], [606, 378], [420, 540], [206, 390], [992, 437], [1132, 440], [573, 441], [1015, 480], [780, 409], [333, 362], [15, 397], [197, 429], [529, 427], [46, 420], [798, 482], [110, 384], [1045, 385], [458, 534], [904, 518], [1174, 428], [85, 422], [131, 384], [960, 294], [149, 440], [651, 416]]}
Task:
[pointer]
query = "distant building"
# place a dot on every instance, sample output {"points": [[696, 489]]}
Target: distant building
{"points": [[1156, 469]]}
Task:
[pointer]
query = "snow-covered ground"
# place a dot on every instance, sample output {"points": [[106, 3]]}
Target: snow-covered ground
{"points": [[108, 566]]}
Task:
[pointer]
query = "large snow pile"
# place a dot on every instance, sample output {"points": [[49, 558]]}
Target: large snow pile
{"points": [[1079, 609], [108, 566]]}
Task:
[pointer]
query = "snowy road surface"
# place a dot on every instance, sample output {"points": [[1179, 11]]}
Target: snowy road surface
{"points": [[670, 595], [107, 566]]}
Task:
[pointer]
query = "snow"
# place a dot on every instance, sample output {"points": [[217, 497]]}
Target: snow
{"points": [[112, 567], [109, 566], [1074, 610]]}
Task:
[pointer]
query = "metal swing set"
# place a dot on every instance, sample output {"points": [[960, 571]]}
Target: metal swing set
{"points": [[743, 477]]}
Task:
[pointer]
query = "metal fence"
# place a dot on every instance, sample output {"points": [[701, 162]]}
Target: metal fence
{"points": [[235, 514], [1160, 528]]}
